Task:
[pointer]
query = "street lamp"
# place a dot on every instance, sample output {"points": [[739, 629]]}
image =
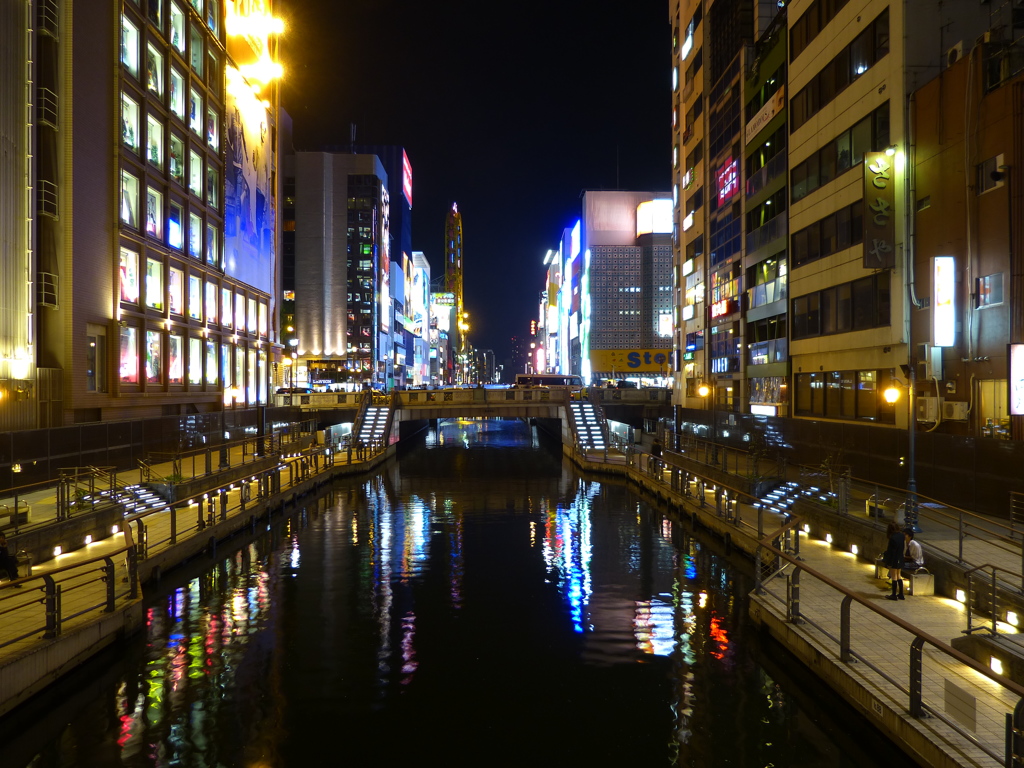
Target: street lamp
{"points": [[891, 395], [705, 391]]}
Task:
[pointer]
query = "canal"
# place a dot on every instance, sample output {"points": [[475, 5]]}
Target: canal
{"points": [[479, 603]]}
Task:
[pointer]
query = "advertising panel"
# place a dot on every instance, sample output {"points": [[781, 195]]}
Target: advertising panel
{"points": [[418, 304], [654, 216], [407, 178], [943, 301], [728, 180], [631, 360], [879, 212], [1016, 397], [249, 215]]}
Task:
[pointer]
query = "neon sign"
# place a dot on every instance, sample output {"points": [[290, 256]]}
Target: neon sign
{"points": [[728, 180]]}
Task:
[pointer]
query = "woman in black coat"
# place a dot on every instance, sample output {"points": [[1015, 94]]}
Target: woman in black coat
{"points": [[893, 559]]}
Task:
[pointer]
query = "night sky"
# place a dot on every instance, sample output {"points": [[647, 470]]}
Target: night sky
{"points": [[510, 110]]}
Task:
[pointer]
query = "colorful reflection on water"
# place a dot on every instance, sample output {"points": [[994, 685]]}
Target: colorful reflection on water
{"points": [[477, 603]]}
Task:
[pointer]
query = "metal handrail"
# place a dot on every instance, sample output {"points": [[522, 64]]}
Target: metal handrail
{"points": [[918, 707], [994, 582]]}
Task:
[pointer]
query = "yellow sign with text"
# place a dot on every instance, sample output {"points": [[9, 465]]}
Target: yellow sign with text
{"points": [[627, 361]]}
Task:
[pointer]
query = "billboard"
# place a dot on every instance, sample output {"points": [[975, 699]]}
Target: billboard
{"points": [[879, 212], [728, 180], [417, 305], [627, 361], [407, 178], [249, 215]]}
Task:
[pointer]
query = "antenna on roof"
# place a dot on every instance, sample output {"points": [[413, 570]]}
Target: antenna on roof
{"points": [[352, 137]]}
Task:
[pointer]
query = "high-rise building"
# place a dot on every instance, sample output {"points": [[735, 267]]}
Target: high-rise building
{"points": [[619, 286], [343, 304], [453, 273], [793, 181], [147, 286]]}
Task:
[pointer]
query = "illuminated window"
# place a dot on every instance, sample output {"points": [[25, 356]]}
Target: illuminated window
{"points": [[213, 16], [177, 159], [195, 361], [195, 173], [177, 94], [130, 46], [195, 297], [195, 112], [212, 129], [129, 276], [196, 50], [211, 363], [211, 303], [129, 199], [128, 367], [225, 364], [990, 290], [154, 212], [239, 312], [175, 360], [175, 236], [176, 291], [195, 236], [177, 28], [212, 246], [212, 187], [155, 141], [129, 123], [154, 71], [225, 307], [154, 357], [154, 284]]}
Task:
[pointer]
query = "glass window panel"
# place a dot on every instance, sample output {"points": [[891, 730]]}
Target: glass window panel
{"points": [[155, 141], [130, 46], [803, 393], [829, 239], [213, 16], [176, 160], [864, 309], [843, 152], [867, 399], [178, 28], [154, 284], [129, 276], [95, 359], [844, 308], [833, 406], [225, 307], [225, 365], [129, 199], [129, 123], [239, 367], [195, 173], [156, 12], [128, 364], [861, 140], [195, 297], [195, 361], [196, 52], [239, 312], [175, 236], [212, 129], [212, 246], [848, 394], [828, 311], [263, 320], [817, 394], [198, 5], [882, 298], [176, 291], [175, 360], [154, 70], [154, 212], [195, 111], [154, 354], [177, 96], [211, 363], [212, 187], [251, 316], [213, 72], [195, 236], [211, 303]]}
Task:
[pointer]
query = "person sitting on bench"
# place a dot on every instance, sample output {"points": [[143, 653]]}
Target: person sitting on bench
{"points": [[913, 556], [7, 561]]}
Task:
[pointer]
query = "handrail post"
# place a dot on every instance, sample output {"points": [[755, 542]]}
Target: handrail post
{"points": [[844, 630], [967, 603], [994, 606], [758, 565], [174, 524], [960, 537], [109, 577], [52, 603], [916, 676], [133, 573]]}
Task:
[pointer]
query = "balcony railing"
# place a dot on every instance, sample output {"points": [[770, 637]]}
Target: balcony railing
{"points": [[773, 169], [773, 229]]}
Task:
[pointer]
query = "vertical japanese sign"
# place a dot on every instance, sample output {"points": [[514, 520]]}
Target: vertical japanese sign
{"points": [[1016, 383], [879, 212]]}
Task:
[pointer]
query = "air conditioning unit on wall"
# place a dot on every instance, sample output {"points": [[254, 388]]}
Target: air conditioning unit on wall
{"points": [[928, 409], [954, 54], [954, 410]]}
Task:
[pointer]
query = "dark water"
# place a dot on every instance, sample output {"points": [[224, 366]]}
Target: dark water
{"points": [[479, 603]]}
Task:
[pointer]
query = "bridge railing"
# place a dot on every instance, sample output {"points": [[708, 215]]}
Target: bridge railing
{"points": [[432, 398]]}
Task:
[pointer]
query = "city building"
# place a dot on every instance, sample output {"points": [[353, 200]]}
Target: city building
{"points": [[343, 304], [144, 287], [617, 289], [795, 239], [453, 284]]}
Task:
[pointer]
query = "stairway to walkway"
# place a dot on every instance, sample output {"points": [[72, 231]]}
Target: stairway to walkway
{"points": [[589, 431], [375, 421], [135, 498]]}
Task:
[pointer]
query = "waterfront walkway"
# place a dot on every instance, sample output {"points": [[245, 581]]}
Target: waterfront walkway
{"points": [[959, 710]]}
